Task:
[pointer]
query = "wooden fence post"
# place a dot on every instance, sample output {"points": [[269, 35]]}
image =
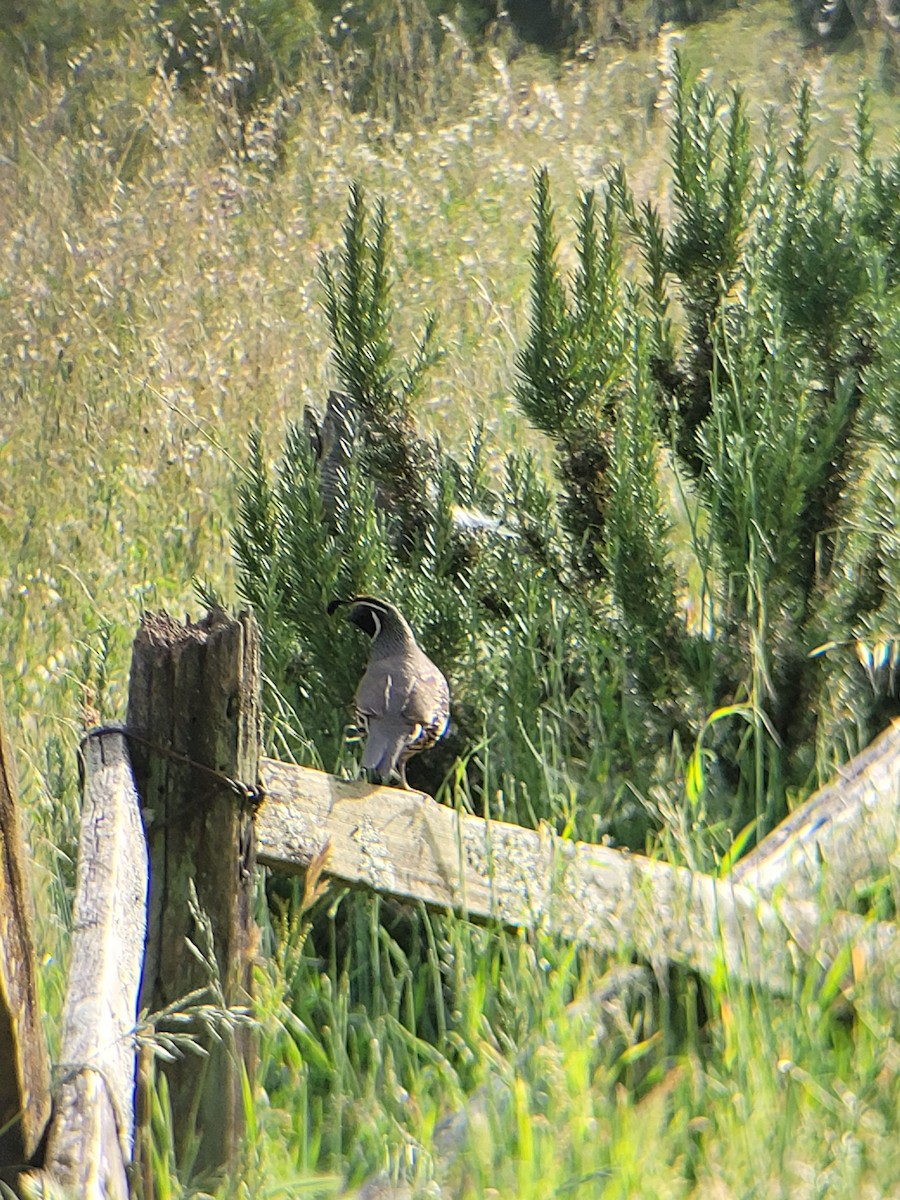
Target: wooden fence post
{"points": [[193, 717], [92, 1133], [24, 1073]]}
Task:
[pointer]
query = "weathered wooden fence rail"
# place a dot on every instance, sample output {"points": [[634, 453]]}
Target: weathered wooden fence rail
{"points": [[92, 1134], [845, 835], [405, 845], [190, 769]]}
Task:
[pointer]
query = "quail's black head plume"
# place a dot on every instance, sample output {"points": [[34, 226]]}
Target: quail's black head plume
{"points": [[402, 702]]}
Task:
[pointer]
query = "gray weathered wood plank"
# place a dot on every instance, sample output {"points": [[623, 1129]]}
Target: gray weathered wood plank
{"points": [[91, 1135], [844, 836], [405, 845]]}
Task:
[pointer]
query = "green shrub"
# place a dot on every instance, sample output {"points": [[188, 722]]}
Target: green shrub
{"points": [[243, 57], [392, 60], [402, 61], [472, 559], [253, 43], [611, 672], [752, 365], [770, 387]]}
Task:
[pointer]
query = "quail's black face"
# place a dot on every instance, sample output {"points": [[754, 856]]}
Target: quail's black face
{"points": [[367, 617], [367, 613]]}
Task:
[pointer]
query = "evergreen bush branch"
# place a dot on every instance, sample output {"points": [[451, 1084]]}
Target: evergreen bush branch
{"points": [[545, 386], [704, 243], [358, 307], [571, 364], [637, 548]]}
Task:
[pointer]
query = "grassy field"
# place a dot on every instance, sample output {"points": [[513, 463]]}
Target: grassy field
{"points": [[159, 300]]}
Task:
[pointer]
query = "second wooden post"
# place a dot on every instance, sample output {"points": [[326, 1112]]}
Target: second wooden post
{"points": [[193, 720]]}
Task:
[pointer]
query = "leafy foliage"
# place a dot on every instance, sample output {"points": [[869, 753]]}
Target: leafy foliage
{"points": [[768, 386], [715, 374], [472, 560]]}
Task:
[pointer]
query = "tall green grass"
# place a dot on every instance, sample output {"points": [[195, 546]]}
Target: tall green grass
{"points": [[161, 294]]}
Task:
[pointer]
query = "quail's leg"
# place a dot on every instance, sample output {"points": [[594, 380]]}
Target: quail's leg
{"points": [[401, 771]]}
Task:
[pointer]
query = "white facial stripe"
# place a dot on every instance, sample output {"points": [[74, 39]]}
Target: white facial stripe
{"points": [[377, 620]]}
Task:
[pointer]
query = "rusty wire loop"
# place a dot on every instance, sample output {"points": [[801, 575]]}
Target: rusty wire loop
{"points": [[253, 794]]}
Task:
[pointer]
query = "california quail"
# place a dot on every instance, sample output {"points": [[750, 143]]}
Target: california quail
{"points": [[402, 702]]}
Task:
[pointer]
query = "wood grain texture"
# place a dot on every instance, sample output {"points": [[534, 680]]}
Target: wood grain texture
{"points": [[91, 1136], [844, 837], [193, 713], [405, 845], [24, 1071]]}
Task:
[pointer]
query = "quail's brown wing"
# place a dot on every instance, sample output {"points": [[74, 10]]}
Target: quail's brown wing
{"points": [[427, 704]]}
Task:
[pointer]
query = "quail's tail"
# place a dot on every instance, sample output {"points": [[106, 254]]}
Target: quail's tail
{"points": [[386, 742]]}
